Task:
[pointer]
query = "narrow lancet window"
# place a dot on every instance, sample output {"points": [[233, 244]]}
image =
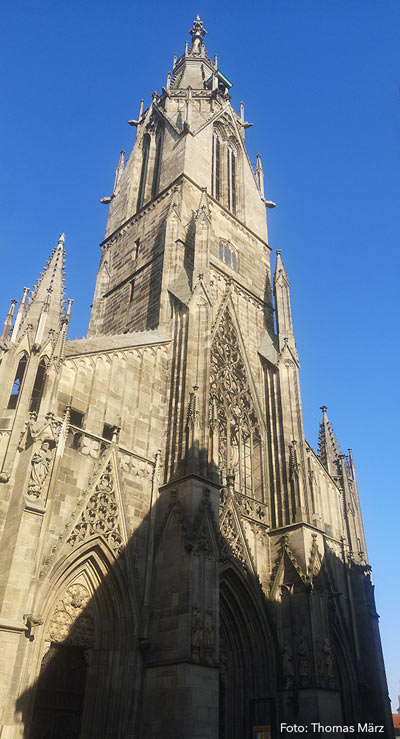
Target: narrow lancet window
{"points": [[16, 388], [215, 175], [231, 178], [38, 387], [157, 164], [143, 174]]}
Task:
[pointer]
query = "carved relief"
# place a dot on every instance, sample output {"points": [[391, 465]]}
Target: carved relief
{"points": [[72, 621], [100, 515]]}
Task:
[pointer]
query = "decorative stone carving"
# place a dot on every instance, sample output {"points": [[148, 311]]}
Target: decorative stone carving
{"points": [[100, 516], [40, 466], [72, 621]]}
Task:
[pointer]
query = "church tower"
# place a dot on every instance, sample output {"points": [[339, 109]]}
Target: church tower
{"points": [[176, 560]]}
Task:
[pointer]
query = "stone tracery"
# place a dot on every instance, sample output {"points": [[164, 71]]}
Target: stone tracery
{"points": [[100, 516], [232, 415]]}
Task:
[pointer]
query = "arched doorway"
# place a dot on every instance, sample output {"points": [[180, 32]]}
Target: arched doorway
{"points": [[60, 693], [59, 698], [247, 683]]}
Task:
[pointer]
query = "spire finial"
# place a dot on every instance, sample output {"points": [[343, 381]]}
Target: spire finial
{"points": [[61, 240], [197, 32]]}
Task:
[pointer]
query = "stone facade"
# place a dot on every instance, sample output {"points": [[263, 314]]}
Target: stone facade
{"points": [[176, 560]]}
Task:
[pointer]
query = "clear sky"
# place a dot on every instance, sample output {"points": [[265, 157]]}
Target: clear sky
{"points": [[320, 81]]}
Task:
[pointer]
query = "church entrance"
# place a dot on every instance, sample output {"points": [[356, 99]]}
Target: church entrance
{"points": [[60, 694], [246, 708]]}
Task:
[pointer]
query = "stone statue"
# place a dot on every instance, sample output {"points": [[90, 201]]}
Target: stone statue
{"points": [[303, 660], [40, 465], [327, 659], [197, 628], [288, 667], [209, 633]]}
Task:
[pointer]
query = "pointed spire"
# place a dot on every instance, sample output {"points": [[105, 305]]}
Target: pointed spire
{"points": [[282, 304], [8, 321], [20, 314], [119, 171], [44, 311], [328, 448]]}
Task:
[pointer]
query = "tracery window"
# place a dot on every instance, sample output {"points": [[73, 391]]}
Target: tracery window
{"points": [[231, 177], [157, 163], [228, 255], [216, 166], [143, 173], [16, 388], [38, 386], [235, 430], [224, 168]]}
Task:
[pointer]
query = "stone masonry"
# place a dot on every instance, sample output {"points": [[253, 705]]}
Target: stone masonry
{"points": [[176, 560]]}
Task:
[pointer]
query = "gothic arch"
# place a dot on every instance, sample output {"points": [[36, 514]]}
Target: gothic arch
{"points": [[88, 616], [247, 657]]}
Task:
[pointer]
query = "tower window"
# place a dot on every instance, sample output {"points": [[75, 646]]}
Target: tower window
{"points": [[157, 164], [143, 174], [16, 388], [38, 387], [215, 175], [228, 255], [108, 432], [76, 418], [231, 178], [137, 247], [132, 290]]}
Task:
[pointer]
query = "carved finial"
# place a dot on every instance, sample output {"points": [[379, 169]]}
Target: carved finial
{"points": [[197, 32], [61, 240], [323, 408]]}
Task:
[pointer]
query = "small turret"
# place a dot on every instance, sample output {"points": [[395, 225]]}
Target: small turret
{"points": [[328, 447], [8, 321]]}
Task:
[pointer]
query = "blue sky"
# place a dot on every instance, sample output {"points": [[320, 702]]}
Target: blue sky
{"points": [[321, 83]]}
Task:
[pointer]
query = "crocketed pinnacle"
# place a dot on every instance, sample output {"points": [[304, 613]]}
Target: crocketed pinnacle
{"points": [[328, 447], [48, 292]]}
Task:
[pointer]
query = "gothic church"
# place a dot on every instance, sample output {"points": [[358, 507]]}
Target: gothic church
{"points": [[176, 561]]}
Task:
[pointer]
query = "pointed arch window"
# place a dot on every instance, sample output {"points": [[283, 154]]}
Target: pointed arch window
{"points": [[216, 166], [157, 163], [38, 387], [16, 388], [143, 173], [231, 177], [228, 255], [235, 431]]}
